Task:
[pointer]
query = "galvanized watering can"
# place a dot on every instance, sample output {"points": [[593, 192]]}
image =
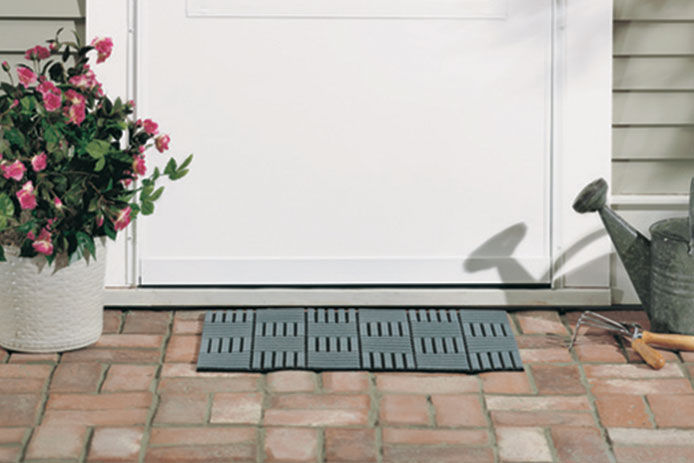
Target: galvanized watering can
{"points": [[662, 269]]}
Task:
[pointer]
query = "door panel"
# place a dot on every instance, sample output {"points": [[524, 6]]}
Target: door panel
{"points": [[349, 151]]}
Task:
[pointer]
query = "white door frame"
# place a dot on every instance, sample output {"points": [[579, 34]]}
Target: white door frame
{"points": [[581, 147]]}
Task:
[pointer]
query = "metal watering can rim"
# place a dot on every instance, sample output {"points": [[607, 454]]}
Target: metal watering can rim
{"points": [[678, 228]]}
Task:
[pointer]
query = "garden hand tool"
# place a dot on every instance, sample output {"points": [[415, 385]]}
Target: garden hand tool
{"points": [[639, 338]]}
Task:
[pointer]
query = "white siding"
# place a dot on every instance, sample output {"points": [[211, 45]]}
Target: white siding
{"points": [[653, 115], [25, 23]]}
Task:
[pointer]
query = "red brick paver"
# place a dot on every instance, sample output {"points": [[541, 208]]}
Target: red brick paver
{"points": [[135, 396]]}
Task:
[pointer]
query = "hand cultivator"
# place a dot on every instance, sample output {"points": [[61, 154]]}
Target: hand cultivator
{"points": [[640, 339]]}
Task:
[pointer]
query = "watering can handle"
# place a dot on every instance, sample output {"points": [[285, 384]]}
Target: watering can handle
{"points": [[691, 218]]}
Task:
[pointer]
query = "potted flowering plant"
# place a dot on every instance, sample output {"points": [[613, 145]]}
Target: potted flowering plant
{"points": [[72, 172]]}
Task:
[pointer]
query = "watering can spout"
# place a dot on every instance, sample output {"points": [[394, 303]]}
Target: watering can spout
{"points": [[632, 247]]}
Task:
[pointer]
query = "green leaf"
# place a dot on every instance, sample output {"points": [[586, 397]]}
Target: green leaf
{"points": [[86, 241], [147, 190], [51, 134], [15, 137], [27, 103], [6, 210], [147, 207], [97, 148], [187, 162], [170, 167], [100, 163], [93, 204], [108, 229], [157, 194], [57, 72], [6, 205], [2, 254], [7, 88]]}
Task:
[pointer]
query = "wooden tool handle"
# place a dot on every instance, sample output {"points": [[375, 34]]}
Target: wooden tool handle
{"points": [[672, 341], [650, 355]]}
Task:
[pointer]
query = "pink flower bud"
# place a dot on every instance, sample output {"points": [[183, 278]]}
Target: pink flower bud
{"points": [[162, 143], [139, 165], [38, 162], [37, 53], [123, 219], [43, 243], [26, 196], [26, 76], [151, 127], [103, 46], [5, 66]]}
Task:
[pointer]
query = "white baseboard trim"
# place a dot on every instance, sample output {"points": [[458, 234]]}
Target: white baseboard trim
{"points": [[212, 297]]}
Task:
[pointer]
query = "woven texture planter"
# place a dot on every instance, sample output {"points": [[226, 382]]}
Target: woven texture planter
{"points": [[42, 310]]}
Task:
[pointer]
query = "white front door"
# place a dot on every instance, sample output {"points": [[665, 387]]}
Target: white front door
{"points": [[349, 142]]}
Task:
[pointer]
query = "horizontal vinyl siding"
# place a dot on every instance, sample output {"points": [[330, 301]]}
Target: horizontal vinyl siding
{"points": [[653, 99], [26, 23], [650, 10], [653, 114], [652, 143], [653, 73], [74, 9]]}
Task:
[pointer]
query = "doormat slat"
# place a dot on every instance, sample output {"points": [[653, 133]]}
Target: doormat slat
{"points": [[449, 340]]}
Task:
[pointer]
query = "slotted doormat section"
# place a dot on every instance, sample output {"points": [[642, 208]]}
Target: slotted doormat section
{"points": [[461, 340]]}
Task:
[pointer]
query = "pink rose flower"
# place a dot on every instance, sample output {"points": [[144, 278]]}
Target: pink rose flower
{"points": [[75, 113], [139, 165], [14, 171], [38, 162], [74, 97], [51, 102], [103, 46], [151, 127], [31, 235], [87, 80], [26, 196], [46, 86], [123, 219], [38, 53], [162, 143], [26, 76], [43, 243]]}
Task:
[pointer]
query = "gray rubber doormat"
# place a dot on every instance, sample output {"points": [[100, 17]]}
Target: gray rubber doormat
{"points": [[450, 340]]}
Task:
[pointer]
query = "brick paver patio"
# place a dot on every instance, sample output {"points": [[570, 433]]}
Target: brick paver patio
{"points": [[135, 396]]}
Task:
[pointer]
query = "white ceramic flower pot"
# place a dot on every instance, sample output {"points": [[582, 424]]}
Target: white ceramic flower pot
{"points": [[43, 310]]}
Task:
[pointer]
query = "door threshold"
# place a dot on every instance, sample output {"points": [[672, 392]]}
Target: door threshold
{"points": [[363, 297]]}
